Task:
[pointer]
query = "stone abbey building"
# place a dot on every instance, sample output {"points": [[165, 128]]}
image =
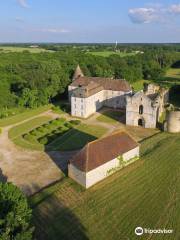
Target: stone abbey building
{"points": [[89, 94]]}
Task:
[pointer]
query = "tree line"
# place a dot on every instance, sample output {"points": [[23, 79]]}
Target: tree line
{"points": [[31, 80]]}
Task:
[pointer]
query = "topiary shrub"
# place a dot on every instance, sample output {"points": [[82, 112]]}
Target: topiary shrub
{"points": [[29, 137], [43, 140], [68, 125], [15, 214], [75, 122]]}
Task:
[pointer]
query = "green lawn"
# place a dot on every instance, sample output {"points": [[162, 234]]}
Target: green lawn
{"points": [[15, 133], [7, 49], [110, 116], [27, 126], [23, 116], [109, 53], [77, 137], [144, 194]]}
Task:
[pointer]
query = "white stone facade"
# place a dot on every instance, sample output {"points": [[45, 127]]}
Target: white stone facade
{"points": [[88, 179], [85, 107]]}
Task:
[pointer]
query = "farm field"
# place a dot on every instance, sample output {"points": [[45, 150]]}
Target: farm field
{"points": [[144, 194], [111, 117], [77, 137], [7, 49], [23, 116], [109, 53]]}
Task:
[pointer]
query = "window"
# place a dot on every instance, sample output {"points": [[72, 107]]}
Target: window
{"points": [[141, 109]]}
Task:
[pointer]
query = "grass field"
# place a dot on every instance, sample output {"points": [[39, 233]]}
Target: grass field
{"points": [[77, 137], [109, 53], [23, 116], [110, 116], [7, 49], [144, 194]]}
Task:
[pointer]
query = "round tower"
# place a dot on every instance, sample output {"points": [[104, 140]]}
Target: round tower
{"points": [[173, 122]]}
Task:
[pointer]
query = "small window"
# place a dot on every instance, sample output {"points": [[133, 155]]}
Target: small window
{"points": [[141, 109]]}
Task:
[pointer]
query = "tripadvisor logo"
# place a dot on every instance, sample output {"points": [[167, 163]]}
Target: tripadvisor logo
{"points": [[139, 231]]}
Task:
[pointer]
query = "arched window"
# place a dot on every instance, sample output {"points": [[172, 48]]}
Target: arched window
{"points": [[141, 109]]}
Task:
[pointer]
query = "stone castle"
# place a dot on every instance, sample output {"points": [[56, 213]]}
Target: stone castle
{"points": [[89, 94]]}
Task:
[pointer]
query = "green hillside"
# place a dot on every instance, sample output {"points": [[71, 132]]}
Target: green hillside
{"points": [[144, 194]]}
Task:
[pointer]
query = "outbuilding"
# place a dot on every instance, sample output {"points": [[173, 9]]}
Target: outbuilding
{"points": [[101, 158]]}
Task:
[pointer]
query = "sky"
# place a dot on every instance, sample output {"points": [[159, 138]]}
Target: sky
{"points": [[89, 21]]}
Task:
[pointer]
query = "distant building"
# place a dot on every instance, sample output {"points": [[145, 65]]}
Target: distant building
{"points": [[89, 94], [34, 46], [145, 108], [99, 159]]}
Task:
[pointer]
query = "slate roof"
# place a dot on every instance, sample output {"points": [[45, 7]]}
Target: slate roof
{"points": [[101, 151]]}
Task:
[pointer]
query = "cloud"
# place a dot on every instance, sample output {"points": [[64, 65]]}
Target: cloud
{"points": [[143, 15], [23, 3], [175, 9], [19, 19], [54, 30], [154, 13]]}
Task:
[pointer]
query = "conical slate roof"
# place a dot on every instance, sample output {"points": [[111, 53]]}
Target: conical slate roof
{"points": [[78, 73]]}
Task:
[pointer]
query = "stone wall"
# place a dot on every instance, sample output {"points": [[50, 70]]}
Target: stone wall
{"points": [[149, 115]]}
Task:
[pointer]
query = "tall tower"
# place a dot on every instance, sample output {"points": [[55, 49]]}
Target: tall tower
{"points": [[116, 45], [78, 73]]}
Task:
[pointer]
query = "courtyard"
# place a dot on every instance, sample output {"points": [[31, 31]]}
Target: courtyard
{"points": [[36, 150]]}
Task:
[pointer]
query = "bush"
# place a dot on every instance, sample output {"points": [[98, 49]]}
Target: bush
{"points": [[15, 214], [29, 137], [75, 122], [34, 132], [68, 125], [62, 120], [43, 141]]}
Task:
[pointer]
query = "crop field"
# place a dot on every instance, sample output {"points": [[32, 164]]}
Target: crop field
{"points": [[109, 53], [6, 49], [77, 137], [146, 194]]}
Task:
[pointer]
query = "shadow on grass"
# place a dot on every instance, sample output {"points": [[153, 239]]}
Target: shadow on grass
{"points": [[115, 115], [65, 147], [53, 221]]}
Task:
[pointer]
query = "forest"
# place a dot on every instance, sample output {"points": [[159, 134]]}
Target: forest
{"points": [[33, 79]]}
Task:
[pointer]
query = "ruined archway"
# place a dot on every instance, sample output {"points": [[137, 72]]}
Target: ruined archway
{"points": [[141, 122]]}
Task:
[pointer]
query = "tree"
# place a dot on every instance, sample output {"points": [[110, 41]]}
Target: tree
{"points": [[15, 214]]}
